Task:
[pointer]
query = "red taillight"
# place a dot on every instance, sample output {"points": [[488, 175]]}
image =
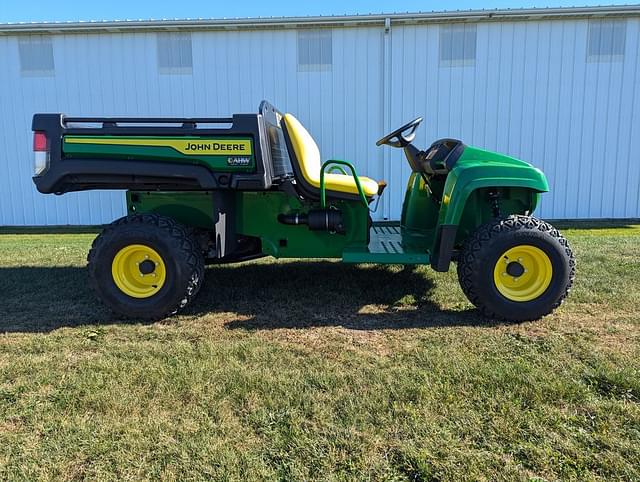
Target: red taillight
{"points": [[40, 143]]}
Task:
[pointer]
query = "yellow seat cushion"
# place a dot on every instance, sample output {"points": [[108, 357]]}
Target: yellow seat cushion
{"points": [[308, 156]]}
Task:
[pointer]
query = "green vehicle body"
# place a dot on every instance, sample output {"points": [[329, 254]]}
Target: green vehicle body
{"points": [[461, 201], [439, 212]]}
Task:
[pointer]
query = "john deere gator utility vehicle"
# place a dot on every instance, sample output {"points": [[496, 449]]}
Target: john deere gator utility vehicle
{"points": [[222, 190]]}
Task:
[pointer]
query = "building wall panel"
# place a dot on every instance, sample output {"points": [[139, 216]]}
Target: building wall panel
{"points": [[531, 92]]}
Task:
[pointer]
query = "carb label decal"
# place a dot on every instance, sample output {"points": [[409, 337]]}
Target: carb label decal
{"points": [[238, 161]]}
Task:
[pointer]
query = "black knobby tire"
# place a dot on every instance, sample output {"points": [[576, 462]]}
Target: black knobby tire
{"points": [[484, 248], [180, 253]]}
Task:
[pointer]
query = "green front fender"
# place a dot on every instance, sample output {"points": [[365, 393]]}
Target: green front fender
{"points": [[469, 176]]}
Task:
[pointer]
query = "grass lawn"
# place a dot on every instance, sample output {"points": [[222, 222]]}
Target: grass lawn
{"points": [[317, 370]]}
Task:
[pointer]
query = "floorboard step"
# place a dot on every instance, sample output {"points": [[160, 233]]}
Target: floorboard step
{"points": [[385, 247]]}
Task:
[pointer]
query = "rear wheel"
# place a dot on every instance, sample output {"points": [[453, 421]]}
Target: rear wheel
{"points": [[145, 266], [516, 268]]}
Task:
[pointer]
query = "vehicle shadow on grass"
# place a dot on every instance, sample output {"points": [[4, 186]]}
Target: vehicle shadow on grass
{"points": [[42, 299], [320, 293], [261, 295]]}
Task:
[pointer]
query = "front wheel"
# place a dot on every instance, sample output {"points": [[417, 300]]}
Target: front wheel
{"points": [[516, 268]]}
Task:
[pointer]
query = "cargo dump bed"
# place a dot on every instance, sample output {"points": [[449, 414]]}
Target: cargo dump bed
{"points": [[81, 153]]}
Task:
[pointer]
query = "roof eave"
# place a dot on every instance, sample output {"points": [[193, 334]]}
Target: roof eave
{"points": [[321, 21]]}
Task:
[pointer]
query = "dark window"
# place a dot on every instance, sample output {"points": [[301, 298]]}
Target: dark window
{"points": [[607, 39], [36, 56], [458, 44], [315, 49], [174, 53]]}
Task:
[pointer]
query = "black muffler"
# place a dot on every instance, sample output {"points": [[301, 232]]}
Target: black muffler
{"points": [[317, 220]]}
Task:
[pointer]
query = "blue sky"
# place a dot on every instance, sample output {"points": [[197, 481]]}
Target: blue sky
{"points": [[60, 10]]}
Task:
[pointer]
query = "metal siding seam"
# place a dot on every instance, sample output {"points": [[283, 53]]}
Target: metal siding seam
{"points": [[593, 130], [386, 109], [634, 82], [499, 96], [636, 99], [560, 126], [613, 193], [545, 148], [602, 185], [566, 161], [581, 184], [510, 96], [533, 157]]}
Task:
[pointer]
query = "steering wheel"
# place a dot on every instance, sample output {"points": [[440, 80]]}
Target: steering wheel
{"points": [[398, 138]]}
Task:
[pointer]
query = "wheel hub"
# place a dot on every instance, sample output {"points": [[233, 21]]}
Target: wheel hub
{"points": [[138, 271], [515, 269], [147, 267], [523, 273]]}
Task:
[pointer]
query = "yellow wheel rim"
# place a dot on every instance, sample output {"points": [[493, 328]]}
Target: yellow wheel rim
{"points": [[138, 271], [523, 273]]}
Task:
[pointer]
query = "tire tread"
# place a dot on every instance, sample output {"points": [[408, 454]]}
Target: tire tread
{"points": [[181, 239], [471, 255]]}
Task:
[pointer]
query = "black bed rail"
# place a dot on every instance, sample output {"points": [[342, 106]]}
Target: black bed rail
{"points": [[189, 122]]}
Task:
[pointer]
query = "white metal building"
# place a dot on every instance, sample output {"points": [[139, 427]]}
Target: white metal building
{"points": [[557, 87]]}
